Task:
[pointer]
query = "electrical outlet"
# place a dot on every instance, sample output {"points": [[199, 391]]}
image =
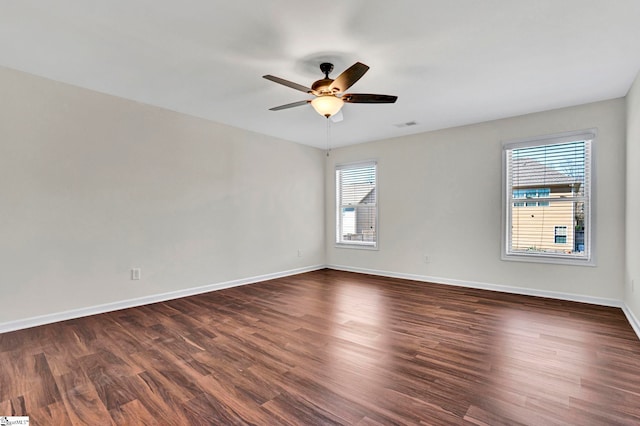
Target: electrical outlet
{"points": [[426, 258], [136, 273], [299, 253], [632, 286]]}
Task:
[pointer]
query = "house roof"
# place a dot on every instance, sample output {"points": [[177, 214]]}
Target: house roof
{"points": [[527, 172], [358, 193]]}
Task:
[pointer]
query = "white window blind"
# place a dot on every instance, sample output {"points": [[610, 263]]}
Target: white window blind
{"points": [[548, 199], [357, 205]]}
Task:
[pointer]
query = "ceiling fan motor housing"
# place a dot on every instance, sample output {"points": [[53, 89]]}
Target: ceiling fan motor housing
{"points": [[322, 86]]}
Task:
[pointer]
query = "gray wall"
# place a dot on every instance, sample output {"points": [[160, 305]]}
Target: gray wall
{"points": [[632, 296], [439, 194], [92, 185]]}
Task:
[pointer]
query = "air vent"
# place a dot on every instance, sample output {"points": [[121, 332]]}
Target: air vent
{"points": [[407, 124]]}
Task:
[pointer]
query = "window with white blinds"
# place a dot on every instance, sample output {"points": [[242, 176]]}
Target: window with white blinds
{"points": [[548, 199], [357, 205]]}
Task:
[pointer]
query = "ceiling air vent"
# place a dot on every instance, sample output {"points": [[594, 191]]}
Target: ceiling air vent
{"points": [[407, 124]]}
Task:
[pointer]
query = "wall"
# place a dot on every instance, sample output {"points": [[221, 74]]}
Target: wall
{"points": [[92, 185], [632, 296], [448, 206]]}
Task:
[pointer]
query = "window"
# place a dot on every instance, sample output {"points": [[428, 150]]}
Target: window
{"points": [[531, 193], [357, 208], [560, 235], [547, 195]]}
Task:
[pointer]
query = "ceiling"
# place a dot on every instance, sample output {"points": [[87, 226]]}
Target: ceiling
{"points": [[451, 63]]}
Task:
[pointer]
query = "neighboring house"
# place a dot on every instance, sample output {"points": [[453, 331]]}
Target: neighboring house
{"points": [[359, 224], [543, 221], [366, 218]]}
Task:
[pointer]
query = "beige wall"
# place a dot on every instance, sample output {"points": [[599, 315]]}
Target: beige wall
{"points": [[92, 185], [450, 205], [632, 296]]}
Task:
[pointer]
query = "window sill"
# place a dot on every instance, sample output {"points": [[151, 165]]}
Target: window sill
{"points": [[357, 246], [557, 260]]}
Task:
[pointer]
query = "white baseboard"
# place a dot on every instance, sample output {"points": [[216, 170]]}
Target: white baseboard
{"points": [[124, 304], [485, 286], [633, 320], [130, 303]]}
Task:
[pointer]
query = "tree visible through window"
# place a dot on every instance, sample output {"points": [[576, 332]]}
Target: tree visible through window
{"points": [[548, 198], [357, 209]]}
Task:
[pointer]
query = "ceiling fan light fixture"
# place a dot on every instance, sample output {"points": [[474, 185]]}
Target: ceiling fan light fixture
{"points": [[326, 102], [327, 105]]}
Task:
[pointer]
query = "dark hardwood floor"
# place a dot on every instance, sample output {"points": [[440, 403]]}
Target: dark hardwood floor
{"points": [[329, 347]]}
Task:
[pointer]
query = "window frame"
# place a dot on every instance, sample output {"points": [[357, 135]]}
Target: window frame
{"points": [[354, 244], [587, 135]]}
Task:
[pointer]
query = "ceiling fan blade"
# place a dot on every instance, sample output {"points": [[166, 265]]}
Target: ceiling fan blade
{"points": [[288, 83], [368, 98], [337, 117], [291, 105], [349, 77]]}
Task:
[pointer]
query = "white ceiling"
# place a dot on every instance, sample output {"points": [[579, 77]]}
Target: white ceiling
{"points": [[450, 62]]}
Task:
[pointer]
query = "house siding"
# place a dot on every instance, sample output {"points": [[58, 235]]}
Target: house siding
{"points": [[534, 221]]}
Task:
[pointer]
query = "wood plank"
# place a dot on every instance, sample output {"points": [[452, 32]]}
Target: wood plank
{"points": [[329, 347]]}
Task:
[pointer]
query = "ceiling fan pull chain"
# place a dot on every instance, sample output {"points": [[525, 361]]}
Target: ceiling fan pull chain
{"points": [[328, 137]]}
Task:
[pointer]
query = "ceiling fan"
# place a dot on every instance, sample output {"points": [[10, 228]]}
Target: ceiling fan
{"points": [[329, 93]]}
